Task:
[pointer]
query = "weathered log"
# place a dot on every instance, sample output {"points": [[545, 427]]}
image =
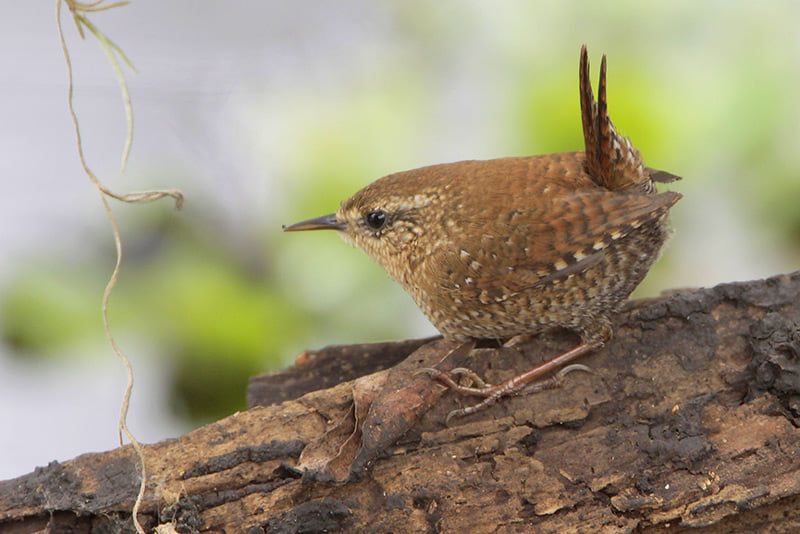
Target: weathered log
{"points": [[327, 367], [689, 420]]}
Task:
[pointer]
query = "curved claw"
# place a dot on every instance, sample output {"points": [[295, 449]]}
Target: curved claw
{"points": [[574, 367], [454, 413], [490, 400]]}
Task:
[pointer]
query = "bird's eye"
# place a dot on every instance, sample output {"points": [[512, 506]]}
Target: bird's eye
{"points": [[376, 219]]}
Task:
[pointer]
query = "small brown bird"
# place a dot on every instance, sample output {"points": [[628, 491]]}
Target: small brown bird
{"points": [[515, 246]]}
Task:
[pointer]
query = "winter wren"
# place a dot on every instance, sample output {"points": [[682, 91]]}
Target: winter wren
{"points": [[513, 246]]}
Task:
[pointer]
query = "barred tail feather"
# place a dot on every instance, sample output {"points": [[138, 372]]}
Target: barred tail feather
{"points": [[611, 159]]}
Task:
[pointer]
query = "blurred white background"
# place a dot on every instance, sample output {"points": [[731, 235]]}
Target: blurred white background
{"points": [[270, 112]]}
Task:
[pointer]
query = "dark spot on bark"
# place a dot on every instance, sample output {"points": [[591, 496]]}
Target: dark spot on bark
{"points": [[678, 437], [394, 502], [422, 500], [36, 486], [69, 523], [610, 490], [256, 454], [319, 515], [529, 441], [650, 313], [644, 484], [528, 511], [501, 496], [217, 497], [694, 344], [412, 438], [184, 515], [625, 421], [775, 363], [118, 480], [56, 487], [683, 305], [575, 424]]}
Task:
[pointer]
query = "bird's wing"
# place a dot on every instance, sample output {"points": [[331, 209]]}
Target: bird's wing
{"points": [[536, 246]]}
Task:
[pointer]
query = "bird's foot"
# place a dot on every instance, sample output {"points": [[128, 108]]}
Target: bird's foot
{"points": [[467, 382], [477, 387]]}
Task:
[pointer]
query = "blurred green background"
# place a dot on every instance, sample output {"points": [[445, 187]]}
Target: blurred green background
{"points": [[267, 113]]}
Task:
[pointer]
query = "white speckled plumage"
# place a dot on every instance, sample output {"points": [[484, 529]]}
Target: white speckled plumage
{"points": [[498, 248]]}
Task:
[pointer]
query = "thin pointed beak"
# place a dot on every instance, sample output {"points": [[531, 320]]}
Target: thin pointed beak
{"points": [[326, 222]]}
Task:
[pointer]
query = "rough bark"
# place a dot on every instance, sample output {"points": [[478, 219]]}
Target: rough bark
{"points": [[689, 420]]}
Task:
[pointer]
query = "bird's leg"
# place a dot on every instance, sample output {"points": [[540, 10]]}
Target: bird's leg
{"points": [[472, 384], [521, 384]]}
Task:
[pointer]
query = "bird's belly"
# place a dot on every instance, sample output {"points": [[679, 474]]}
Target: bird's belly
{"points": [[571, 302]]}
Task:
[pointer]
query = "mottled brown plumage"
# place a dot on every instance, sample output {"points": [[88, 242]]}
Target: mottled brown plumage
{"points": [[499, 248]]}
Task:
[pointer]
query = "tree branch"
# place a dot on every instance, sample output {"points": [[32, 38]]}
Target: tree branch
{"points": [[690, 420]]}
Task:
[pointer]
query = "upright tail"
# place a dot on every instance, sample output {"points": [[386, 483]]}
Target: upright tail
{"points": [[611, 160]]}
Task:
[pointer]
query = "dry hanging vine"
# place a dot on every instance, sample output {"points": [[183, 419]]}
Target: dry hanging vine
{"points": [[79, 11]]}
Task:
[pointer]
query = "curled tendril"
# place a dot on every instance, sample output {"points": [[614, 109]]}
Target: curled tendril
{"points": [[114, 53]]}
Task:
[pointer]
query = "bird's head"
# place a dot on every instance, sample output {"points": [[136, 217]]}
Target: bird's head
{"points": [[387, 218]]}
